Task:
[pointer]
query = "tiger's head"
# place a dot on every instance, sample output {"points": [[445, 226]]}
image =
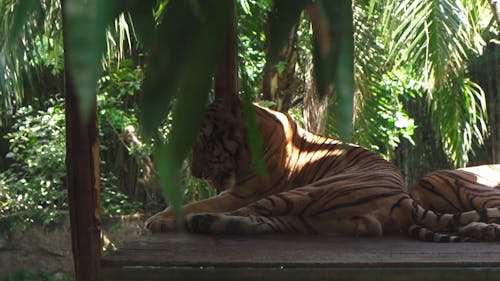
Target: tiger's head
{"points": [[220, 149]]}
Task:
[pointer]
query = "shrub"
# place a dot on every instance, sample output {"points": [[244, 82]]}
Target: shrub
{"points": [[33, 188]]}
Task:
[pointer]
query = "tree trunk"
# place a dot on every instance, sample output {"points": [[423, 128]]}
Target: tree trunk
{"points": [[315, 107], [495, 7], [226, 74], [279, 82], [83, 179]]}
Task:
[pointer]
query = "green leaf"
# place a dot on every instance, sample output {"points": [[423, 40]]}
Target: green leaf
{"points": [[207, 20], [85, 24], [344, 78], [246, 7], [22, 12], [284, 15], [254, 135], [142, 16], [334, 59], [167, 50]]}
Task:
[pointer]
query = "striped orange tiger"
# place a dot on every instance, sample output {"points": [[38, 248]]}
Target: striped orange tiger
{"points": [[313, 185], [459, 190]]}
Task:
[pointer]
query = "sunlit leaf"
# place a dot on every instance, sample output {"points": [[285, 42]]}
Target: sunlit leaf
{"points": [[245, 5]]}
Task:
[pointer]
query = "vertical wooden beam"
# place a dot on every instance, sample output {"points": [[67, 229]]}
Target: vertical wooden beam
{"points": [[82, 166], [226, 75]]}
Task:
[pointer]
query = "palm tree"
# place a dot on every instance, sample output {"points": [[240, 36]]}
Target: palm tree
{"points": [[420, 49], [30, 44], [31, 50]]}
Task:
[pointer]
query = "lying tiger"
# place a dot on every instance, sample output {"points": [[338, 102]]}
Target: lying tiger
{"points": [[451, 191], [313, 185]]}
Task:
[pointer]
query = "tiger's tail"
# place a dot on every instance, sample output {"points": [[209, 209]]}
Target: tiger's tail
{"points": [[426, 225]]}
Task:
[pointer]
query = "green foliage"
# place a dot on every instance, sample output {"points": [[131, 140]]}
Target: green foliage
{"points": [[186, 46], [252, 16], [380, 120], [113, 201], [29, 29], [404, 51], [117, 97], [296, 114], [383, 121], [28, 275], [195, 189], [48, 54], [33, 186], [284, 15], [431, 41], [182, 41], [117, 109], [32, 45], [85, 24]]}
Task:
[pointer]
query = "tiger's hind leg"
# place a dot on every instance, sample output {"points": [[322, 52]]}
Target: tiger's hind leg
{"points": [[257, 224]]}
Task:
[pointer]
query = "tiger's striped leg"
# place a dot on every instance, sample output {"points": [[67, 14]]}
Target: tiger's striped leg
{"points": [[256, 224], [165, 220], [290, 202], [227, 224]]}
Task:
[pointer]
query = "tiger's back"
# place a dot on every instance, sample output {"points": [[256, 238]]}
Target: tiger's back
{"points": [[459, 190]]}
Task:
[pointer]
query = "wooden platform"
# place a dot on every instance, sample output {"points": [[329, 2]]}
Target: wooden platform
{"points": [[296, 257]]}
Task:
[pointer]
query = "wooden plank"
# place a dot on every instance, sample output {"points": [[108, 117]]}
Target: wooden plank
{"points": [[169, 249], [299, 257], [300, 274], [82, 168]]}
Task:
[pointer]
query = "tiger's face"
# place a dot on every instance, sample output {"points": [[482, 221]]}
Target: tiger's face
{"points": [[219, 146]]}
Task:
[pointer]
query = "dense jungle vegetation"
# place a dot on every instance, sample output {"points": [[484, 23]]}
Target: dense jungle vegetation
{"points": [[426, 90]]}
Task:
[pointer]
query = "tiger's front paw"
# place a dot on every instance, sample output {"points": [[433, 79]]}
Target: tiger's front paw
{"points": [[160, 222], [205, 223]]}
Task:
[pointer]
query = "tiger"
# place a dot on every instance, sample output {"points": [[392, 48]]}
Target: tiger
{"points": [[459, 190], [313, 185]]}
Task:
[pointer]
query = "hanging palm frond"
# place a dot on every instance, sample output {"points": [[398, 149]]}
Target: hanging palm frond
{"points": [[28, 29], [31, 46], [380, 120], [430, 41]]}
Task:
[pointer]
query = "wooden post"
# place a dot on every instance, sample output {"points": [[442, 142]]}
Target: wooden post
{"points": [[226, 75], [82, 166]]}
